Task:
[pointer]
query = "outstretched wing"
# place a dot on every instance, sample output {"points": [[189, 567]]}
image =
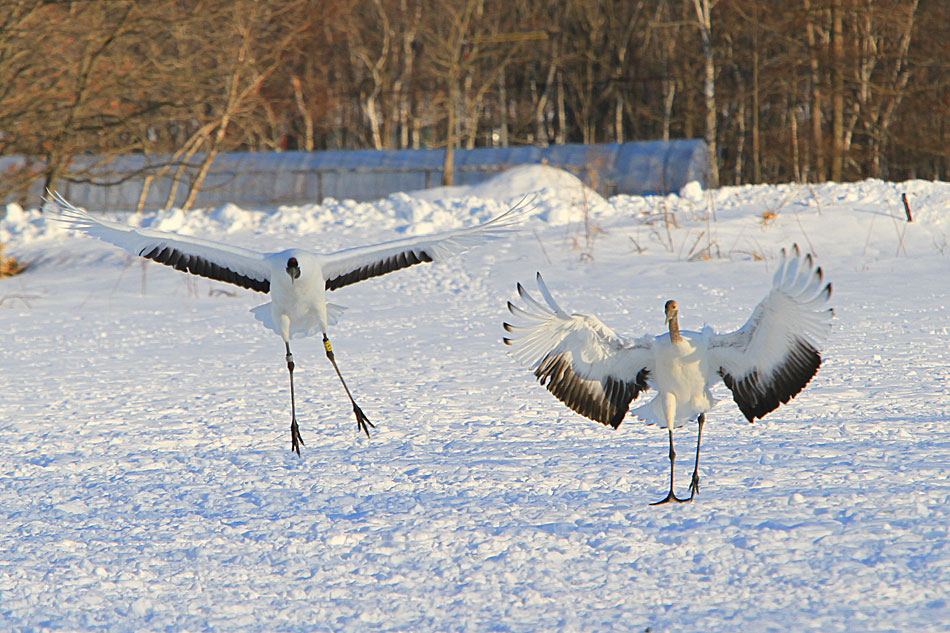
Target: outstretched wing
{"points": [[579, 359], [771, 358], [356, 264], [231, 264]]}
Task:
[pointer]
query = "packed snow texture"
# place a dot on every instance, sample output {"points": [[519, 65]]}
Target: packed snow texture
{"points": [[148, 483]]}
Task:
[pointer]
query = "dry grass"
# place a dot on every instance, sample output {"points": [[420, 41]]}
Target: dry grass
{"points": [[769, 215], [9, 266]]}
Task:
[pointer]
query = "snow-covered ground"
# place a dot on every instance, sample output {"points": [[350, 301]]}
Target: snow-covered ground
{"points": [[148, 484]]}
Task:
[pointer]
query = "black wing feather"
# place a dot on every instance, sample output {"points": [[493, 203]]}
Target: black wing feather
{"points": [[398, 261], [203, 268], [554, 372], [757, 397]]}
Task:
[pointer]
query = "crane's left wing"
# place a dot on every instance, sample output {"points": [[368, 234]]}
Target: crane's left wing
{"points": [[578, 358], [356, 264], [206, 258], [771, 358]]}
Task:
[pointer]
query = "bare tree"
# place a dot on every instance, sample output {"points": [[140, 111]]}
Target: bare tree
{"points": [[18, 68], [704, 21], [837, 89], [824, 88], [883, 74], [257, 35], [817, 137], [465, 55], [80, 104]]}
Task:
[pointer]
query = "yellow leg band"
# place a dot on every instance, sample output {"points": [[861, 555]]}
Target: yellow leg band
{"points": [[326, 345]]}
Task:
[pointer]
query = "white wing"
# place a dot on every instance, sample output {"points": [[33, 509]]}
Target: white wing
{"points": [[239, 266], [579, 359], [356, 264], [772, 357]]}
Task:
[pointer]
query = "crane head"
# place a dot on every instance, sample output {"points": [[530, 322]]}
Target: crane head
{"points": [[293, 269], [671, 311]]}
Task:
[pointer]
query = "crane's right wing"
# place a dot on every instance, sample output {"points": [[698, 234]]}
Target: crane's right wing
{"points": [[349, 266], [206, 258], [771, 358], [578, 358]]}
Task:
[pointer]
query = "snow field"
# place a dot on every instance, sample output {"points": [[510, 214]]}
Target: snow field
{"points": [[148, 484]]}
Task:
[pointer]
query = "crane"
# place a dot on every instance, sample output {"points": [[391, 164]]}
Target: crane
{"points": [[598, 373], [296, 279]]}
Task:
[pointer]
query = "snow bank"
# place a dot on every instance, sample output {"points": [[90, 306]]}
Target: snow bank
{"points": [[811, 213]]}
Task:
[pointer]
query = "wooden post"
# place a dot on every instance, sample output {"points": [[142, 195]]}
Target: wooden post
{"points": [[910, 218]]}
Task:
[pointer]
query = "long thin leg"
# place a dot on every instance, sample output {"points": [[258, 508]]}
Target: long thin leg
{"points": [[295, 440], [361, 420], [694, 484], [670, 496]]}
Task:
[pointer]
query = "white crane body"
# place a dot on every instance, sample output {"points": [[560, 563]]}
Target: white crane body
{"points": [[679, 377]]}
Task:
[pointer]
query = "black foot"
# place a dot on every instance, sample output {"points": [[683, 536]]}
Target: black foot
{"points": [[362, 421], [668, 498], [295, 440], [693, 487]]}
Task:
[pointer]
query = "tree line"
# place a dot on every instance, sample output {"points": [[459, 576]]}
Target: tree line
{"points": [[807, 90]]}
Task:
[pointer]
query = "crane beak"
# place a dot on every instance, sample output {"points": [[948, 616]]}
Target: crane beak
{"points": [[293, 270]]}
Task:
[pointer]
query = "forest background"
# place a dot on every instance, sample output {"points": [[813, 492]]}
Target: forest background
{"points": [[807, 90]]}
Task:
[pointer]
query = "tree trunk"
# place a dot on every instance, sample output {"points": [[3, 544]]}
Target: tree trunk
{"points": [[818, 150], [144, 193], [203, 170], [740, 141], [448, 161], [561, 136], [709, 87], [372, 116], [793, 123], [756, 147], [502, 140], [669, 93], [837, 91], [404, 101], [304, 115], [540, 125], [176, 179], [618, 118]]}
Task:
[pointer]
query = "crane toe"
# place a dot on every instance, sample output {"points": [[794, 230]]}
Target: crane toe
{"points": [[362, 422], [670, 497], [296, 441], [693, 487]]}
